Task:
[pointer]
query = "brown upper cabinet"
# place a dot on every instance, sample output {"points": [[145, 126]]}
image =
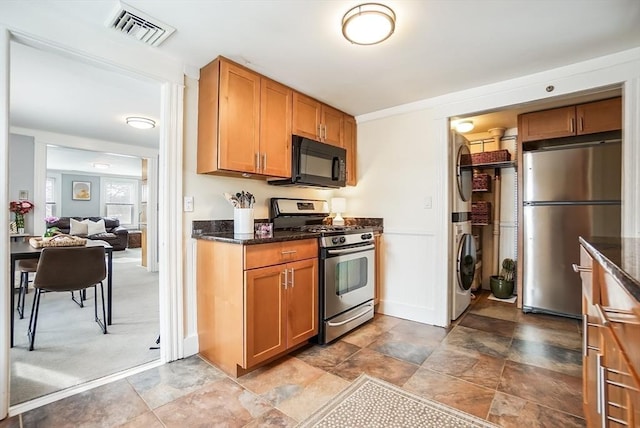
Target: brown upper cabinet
{"points": [[581, 119], [244, 122], [317, 121], [350, 139]]}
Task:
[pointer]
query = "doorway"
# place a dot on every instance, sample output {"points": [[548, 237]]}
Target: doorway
{"points": [[41, 137], [498, 183]]}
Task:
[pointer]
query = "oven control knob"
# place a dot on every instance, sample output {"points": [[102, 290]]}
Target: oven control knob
{"points": [[366, 236], [335, 240], [343, 239]]}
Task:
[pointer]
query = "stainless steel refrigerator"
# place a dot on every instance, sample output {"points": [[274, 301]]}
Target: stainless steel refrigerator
{"points": [[569, 191]]}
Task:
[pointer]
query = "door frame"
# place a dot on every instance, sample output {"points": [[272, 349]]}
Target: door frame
{"points": [[169, 224]]}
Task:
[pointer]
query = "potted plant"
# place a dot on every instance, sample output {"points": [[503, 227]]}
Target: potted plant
{"points": [[502, 285]]}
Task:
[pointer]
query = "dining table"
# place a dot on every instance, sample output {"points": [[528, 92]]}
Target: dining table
{"points": [[22, 250]]}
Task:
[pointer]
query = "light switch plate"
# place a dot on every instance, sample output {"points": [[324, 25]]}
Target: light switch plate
{"points": [[427, 203], [188, 204]]}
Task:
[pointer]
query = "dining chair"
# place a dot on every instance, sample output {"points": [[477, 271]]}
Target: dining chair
{"points": [[68, 269], [25, 267]]}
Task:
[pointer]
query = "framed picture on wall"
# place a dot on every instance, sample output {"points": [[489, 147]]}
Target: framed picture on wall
{"points": [[81, 190]]}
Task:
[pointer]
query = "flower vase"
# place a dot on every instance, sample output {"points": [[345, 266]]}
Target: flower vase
{"points": [[20, 223]]}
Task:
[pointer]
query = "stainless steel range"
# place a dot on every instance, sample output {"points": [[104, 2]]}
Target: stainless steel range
{"points": [[347, 264]]}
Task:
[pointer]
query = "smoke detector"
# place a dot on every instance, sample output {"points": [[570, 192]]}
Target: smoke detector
{"points": [[137, 24]]}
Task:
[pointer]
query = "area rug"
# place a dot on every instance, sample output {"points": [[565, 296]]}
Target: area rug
{"points": [[370, 402]]}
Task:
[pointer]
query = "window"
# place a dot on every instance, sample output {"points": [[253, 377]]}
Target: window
{"points": [[50, 197], [120, 196]]}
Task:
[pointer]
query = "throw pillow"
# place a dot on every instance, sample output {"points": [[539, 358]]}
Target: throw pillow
{"points": [[96, 227], [78, 227]]}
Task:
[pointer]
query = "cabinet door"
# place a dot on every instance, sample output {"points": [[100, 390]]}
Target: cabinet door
{"points": [[554, 123], [239, 127], [332, 126], [306, 116], [599, 116], [275, 129], [265, 315], [208, 109], [350, 139], [302, 301]]}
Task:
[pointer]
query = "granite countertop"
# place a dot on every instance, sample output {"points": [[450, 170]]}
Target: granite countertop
{"points": [[252, 239], [620, 257], [222, 230]]}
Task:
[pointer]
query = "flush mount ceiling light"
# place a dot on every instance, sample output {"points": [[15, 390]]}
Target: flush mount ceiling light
{"points": [[141, 122], [101, 165], [368, 24], [464, 126]]}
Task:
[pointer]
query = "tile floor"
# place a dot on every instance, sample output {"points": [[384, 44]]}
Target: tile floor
{"points": [[514, 369]]}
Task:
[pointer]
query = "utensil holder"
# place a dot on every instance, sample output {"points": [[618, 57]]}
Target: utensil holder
{"points": [[243, 221]]}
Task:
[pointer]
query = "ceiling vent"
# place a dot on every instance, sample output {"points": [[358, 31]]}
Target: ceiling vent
{"points": [[139, 25]]}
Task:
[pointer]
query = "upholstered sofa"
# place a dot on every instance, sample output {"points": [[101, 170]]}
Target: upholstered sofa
{"points": [[114, 234]]}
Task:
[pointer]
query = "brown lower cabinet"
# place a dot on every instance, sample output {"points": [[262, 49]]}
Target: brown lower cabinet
{"points": [[611, 342], [255, 302]]}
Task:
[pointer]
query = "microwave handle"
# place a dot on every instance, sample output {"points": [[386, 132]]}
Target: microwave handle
{"points": [[335, 169]]}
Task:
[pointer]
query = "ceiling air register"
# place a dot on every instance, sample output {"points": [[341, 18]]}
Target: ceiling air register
{"points": [[139, 25]]}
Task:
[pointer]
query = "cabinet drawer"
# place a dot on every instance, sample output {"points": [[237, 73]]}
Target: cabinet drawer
{"points": [[279, 252]]}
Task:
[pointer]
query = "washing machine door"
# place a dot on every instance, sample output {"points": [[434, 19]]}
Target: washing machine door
{"points": [[466, 265], [464, 172]]}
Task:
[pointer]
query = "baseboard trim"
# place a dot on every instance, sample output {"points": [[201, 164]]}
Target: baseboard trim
{"points": [[190, 345], [419, 314], [59, 395]]}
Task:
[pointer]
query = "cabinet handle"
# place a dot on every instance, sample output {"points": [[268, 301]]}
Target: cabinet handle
{"points": [[585, 334], [264, 161], [581, 124], [320, 132], [577, 268], [324, 132], [284, 253], [573, 125], [293, 278], [286, 272], [257, 161], [600, 389]]}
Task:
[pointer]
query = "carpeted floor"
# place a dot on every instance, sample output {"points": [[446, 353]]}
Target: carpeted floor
{"points": [[70, 349], [373, 403]]}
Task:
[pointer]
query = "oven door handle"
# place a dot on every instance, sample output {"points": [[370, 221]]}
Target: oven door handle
{"points": [[369, 308], [352, 250]]}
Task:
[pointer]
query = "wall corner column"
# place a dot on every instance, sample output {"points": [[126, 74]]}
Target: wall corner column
{"points": [[631, 159]]}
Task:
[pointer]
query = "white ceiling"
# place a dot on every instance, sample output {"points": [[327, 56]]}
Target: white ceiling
{"points": [[439, 46], [82, 161]]}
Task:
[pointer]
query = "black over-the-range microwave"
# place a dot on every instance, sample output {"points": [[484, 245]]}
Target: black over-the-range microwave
{"points": [[315, 164]]}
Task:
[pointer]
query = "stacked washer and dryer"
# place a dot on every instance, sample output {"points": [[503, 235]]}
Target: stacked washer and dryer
{"points": [[463, 244]]}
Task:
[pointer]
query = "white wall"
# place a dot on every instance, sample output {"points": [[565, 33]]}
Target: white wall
{"points": [[21, 150], [397, 158], [403, 157]]}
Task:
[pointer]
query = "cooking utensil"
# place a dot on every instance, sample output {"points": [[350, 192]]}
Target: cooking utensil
{"points": [[240, 199]]}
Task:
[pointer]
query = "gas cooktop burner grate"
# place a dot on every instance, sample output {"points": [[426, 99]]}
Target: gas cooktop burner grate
{"points": [[329, 228]]}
